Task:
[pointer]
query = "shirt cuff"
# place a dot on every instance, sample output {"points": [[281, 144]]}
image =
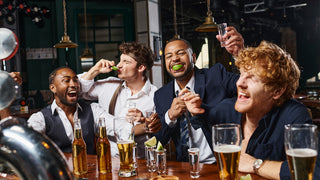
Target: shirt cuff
{"points": [[168, 121]]}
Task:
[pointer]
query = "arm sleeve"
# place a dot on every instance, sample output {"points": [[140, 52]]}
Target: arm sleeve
{"points": [[37, 122]]}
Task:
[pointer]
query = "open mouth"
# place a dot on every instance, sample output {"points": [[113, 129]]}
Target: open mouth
{"points": [[243, 96], [72, 94]]}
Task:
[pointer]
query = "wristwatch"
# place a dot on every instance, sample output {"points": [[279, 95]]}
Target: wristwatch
{"points": [[256, 165]]}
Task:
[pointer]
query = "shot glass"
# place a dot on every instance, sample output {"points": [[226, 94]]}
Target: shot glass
{"points": [[151, 158], [161, 162], [222, 31], [194, 162], [135, 156]]}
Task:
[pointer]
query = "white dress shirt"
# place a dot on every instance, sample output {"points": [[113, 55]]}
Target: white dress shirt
{"points": [[37, 121], [197, 137], [103, 90]]}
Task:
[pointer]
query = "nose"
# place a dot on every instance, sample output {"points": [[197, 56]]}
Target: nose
{"points": [[241, 83]]}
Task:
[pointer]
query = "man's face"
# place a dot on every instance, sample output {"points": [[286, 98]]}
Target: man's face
{"points": [[66, 87], [128, 69], [252, 95], [178, 53]]}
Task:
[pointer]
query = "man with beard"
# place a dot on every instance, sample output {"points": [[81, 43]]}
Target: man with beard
{"points": [[213, 85], [56, 120]]}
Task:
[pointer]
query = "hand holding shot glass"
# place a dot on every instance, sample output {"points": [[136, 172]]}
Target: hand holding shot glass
{"points": [[301, 146], [227, 148]]}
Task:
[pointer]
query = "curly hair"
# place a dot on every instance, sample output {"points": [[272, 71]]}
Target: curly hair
{"points": [[139, 52], [274, 66]]}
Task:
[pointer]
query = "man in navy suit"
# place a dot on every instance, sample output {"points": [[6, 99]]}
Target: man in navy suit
{"points": [[213, 85]]}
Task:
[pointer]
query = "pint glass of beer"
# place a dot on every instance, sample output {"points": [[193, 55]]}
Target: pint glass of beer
{"points": [[301, 145], [124, 134], [227, 146]]}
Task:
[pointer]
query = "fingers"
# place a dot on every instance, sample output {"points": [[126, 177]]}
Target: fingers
{"points": [[16, 77]]}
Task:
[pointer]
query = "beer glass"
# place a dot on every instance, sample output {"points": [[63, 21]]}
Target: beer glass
{"points": [[301, 146], [124, 134], [227, 146]]}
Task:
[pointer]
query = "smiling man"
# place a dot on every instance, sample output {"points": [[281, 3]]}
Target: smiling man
{"points": [[213, 85], [56, 120], [264, 105]]}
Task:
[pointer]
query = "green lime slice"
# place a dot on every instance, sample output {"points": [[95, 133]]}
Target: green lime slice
{"points": [[151, 142], [247, 177], [177, 67], [114, 68], [159, 146]]}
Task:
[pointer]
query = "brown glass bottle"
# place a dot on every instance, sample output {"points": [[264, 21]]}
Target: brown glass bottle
{"points": [[79, 151], [103, 149]]}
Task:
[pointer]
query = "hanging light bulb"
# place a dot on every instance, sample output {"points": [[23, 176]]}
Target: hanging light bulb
{"points": [[65, 41], [209, 25], [87, 55]]}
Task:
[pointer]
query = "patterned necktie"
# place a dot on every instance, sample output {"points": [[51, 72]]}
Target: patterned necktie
{"points": [[184, 135]]}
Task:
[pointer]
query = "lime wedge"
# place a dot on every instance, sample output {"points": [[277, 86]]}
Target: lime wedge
{"points": [[159, 146], [151, 142], [247, 177], [177, 67], [114, 68]]}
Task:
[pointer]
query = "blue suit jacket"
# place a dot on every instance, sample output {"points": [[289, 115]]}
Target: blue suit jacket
{"points": [[213, 85]]}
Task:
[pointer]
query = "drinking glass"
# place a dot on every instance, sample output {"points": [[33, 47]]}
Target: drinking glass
{"points": [[124, 134], [227, 146], [194, 162], [222, 31], [151, 158], [161, 161], [301, 146]]}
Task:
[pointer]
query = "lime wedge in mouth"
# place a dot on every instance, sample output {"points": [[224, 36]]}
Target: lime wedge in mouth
{"points": [[114, 68], [177, 67]]}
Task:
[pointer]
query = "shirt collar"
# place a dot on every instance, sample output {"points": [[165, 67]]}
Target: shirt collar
{"points": [[54, 107], [145, 89], [190, 85]]}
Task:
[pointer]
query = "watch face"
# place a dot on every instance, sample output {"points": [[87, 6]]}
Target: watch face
{"points": [[257, 163]]}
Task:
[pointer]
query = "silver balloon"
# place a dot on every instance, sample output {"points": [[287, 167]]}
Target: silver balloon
{"points": [[8, 89], [30, 154]]}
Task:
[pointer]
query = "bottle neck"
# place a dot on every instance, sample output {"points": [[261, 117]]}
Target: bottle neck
{"points": [[102, 132], [77, 134]]}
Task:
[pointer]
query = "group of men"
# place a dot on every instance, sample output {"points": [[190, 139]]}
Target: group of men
{"points": [[260, 100]]}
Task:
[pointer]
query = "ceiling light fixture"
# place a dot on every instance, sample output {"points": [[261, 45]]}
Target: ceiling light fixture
{"points": [[87, 55], [209, 25], [176, 35], [65, 41]]}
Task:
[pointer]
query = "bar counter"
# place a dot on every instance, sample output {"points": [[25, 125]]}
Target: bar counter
{"points": [[179, 169]]}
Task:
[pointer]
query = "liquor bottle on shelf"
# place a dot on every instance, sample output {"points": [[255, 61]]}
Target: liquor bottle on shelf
{"points": [[79, 150], [103, 149]]}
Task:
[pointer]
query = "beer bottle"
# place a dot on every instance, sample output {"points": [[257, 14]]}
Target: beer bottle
{"points": [[79, 150], [103, 149]]}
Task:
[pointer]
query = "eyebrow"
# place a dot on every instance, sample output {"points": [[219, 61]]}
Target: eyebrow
{"points": [[177, 51]]}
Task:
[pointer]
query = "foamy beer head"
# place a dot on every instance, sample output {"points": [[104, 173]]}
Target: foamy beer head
{"points": [[227, 146], [301, 145]]}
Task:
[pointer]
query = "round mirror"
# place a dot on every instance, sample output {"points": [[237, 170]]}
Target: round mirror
{"points": [[8, 44]]}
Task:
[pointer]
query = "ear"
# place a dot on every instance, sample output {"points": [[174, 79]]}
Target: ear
{"points": [[52, 88], [194, 58], [278, 93], [141, 68]]}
